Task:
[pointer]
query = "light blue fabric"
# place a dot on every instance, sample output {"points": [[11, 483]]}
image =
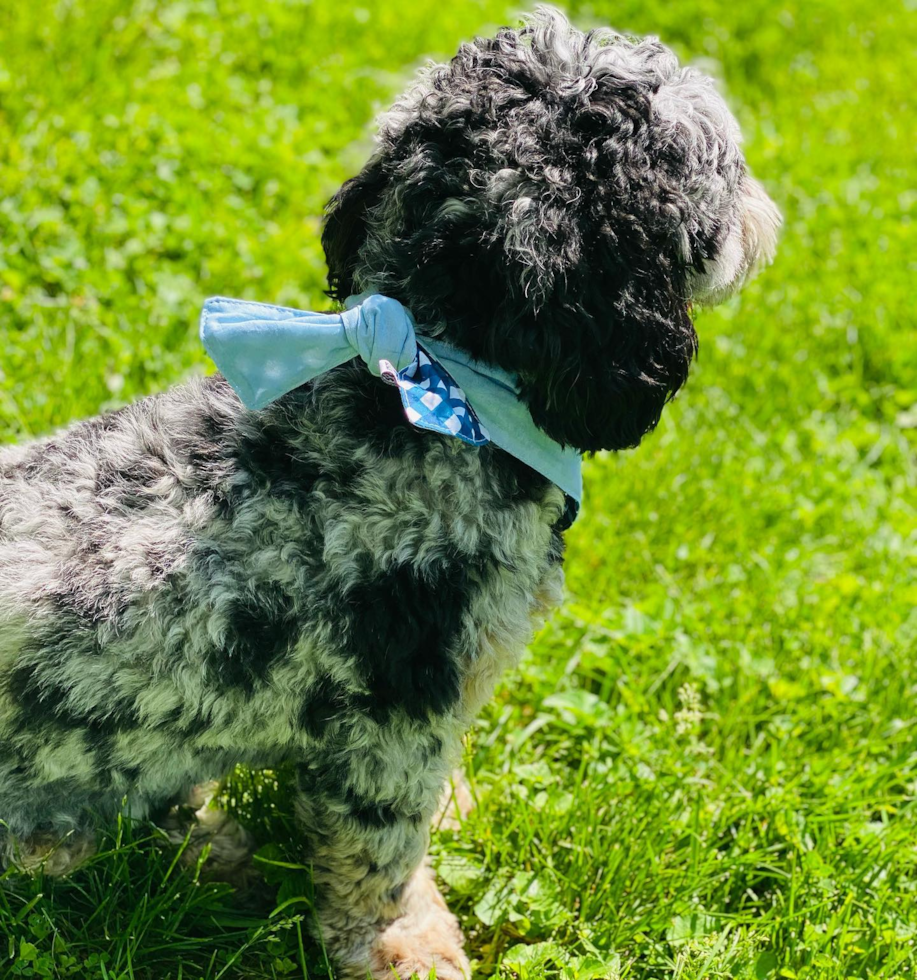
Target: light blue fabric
{"points": [[264, 351], [494, 395]]}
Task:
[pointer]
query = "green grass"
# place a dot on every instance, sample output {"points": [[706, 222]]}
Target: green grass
{"points": [[707, 765]]}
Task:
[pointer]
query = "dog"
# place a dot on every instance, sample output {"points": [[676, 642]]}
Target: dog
{"points": [[188, 584]]}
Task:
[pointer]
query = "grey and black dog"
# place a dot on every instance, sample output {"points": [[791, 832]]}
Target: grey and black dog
{"points": [[186, 584]]}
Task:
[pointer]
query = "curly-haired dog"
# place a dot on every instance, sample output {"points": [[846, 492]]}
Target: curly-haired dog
{"points": [[187, 584]]}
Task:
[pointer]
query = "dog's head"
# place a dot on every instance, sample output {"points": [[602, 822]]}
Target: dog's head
{"points": [[555, 202]]}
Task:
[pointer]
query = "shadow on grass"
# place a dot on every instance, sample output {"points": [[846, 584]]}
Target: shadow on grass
{"points": [[136, 911]]}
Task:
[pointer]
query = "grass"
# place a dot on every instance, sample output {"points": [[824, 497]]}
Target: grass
{"points": [[706, 765]]}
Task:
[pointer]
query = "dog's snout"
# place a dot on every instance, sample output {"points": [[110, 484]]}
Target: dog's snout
{"points": [[748, 246], [761, 221]]}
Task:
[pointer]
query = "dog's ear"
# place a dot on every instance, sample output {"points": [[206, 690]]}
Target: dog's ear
{"points": [[606, 352], [591, 315], [345, 227]]}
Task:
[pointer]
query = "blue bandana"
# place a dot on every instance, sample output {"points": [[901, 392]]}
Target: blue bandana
{"points": [[432, 400], [264, 351]]}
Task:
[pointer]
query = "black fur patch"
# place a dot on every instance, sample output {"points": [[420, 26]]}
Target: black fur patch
{"points": [[322, 703], [43, 704], [261, 628], [376, 416], [265, 450], [375, 815], [190, 727], [403, 630]]}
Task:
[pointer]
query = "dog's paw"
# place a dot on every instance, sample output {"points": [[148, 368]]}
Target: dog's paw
{"points": [[50, 854], [417, 970], [446, 966], [426, 938]]}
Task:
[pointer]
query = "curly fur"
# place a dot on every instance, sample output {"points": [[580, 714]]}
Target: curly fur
{"points": [[186, 585], [552, 196]]}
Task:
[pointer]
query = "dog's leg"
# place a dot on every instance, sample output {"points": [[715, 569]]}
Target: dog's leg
{"points": [[51, 854], [455, 804], [199, 823], [379, 911]]}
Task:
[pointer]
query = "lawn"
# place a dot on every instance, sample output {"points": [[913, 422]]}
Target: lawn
{"points": [[707, 764]]}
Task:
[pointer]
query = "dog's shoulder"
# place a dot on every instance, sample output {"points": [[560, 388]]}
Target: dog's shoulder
{"points": [[341, 449]]}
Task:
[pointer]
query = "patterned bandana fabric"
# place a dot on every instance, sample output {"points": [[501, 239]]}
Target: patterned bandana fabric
{"points": [[432, 400]]}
